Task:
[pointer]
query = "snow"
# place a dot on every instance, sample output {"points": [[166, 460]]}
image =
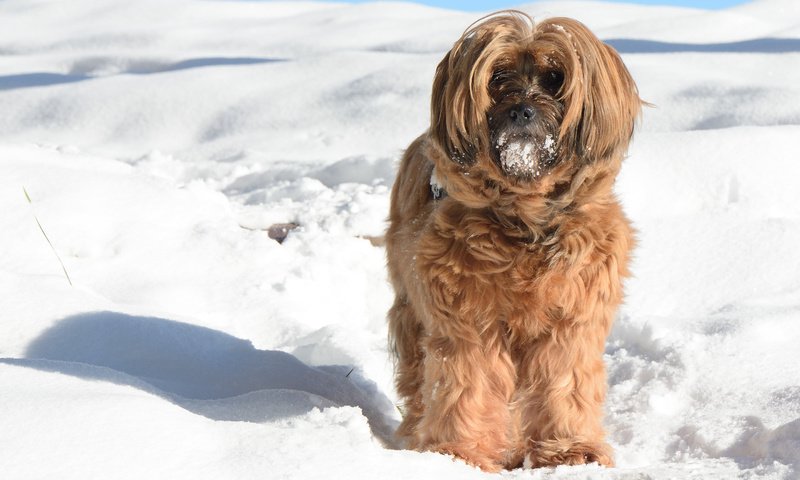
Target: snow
{"points": [[523, 156], [519, 157], [159, 141]]}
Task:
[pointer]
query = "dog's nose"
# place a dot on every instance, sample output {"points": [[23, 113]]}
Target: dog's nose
{"points": [[521, 114]]}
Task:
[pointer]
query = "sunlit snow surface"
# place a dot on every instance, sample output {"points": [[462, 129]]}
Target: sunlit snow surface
{"points": [[158, 140]]}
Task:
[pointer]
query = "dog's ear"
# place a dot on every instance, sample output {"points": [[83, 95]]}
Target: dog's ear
{"points": [[455, 117], [451, 107], [460, 97], [601, 101]]}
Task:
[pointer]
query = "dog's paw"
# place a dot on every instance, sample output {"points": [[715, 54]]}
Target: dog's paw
{"points": [[486, 460], [551, 453]]}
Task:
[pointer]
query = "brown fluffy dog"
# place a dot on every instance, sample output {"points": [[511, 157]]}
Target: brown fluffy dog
{"points": [[506, 285]]}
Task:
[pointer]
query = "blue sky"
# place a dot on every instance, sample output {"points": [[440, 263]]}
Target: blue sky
{"points": [[480, 5]]}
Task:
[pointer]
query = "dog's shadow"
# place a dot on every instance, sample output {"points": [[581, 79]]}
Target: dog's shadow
{"points": [[205, 371]]}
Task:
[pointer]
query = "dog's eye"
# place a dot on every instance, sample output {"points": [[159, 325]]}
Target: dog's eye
{"points": [[497, 75], [552, 81]]}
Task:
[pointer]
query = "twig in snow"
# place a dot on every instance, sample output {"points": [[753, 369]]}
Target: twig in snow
{"points": [[278, 231]]}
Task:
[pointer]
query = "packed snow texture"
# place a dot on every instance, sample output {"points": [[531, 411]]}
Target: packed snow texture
{"points": [[158, 141]]}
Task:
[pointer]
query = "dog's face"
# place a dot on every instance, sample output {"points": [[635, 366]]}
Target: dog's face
{"points": [[517, 100], [525, 115]]}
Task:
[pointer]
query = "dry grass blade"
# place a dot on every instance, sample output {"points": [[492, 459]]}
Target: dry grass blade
{"points": [[28, 197]]}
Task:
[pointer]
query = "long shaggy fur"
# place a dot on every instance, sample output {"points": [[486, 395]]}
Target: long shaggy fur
{"points": [[506, 288]]}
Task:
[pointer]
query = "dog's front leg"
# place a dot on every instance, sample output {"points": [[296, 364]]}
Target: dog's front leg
{"points": [[562, 402], [469, 379], [466, 392]]}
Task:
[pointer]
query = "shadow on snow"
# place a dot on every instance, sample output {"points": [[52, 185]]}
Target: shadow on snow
{"points": [[758, 45], [205, 371], [44, 79]]}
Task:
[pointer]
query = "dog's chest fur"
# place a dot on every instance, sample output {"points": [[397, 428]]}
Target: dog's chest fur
{"points": [[520, 278]]}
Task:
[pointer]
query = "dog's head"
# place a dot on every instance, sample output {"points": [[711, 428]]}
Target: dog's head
{"points": [[519, 100]]}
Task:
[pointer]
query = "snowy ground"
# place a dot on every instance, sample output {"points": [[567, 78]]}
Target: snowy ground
{"points": [[157, 140]]}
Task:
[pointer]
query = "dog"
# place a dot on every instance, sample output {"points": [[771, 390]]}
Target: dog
{"points": [[507, 248]]}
